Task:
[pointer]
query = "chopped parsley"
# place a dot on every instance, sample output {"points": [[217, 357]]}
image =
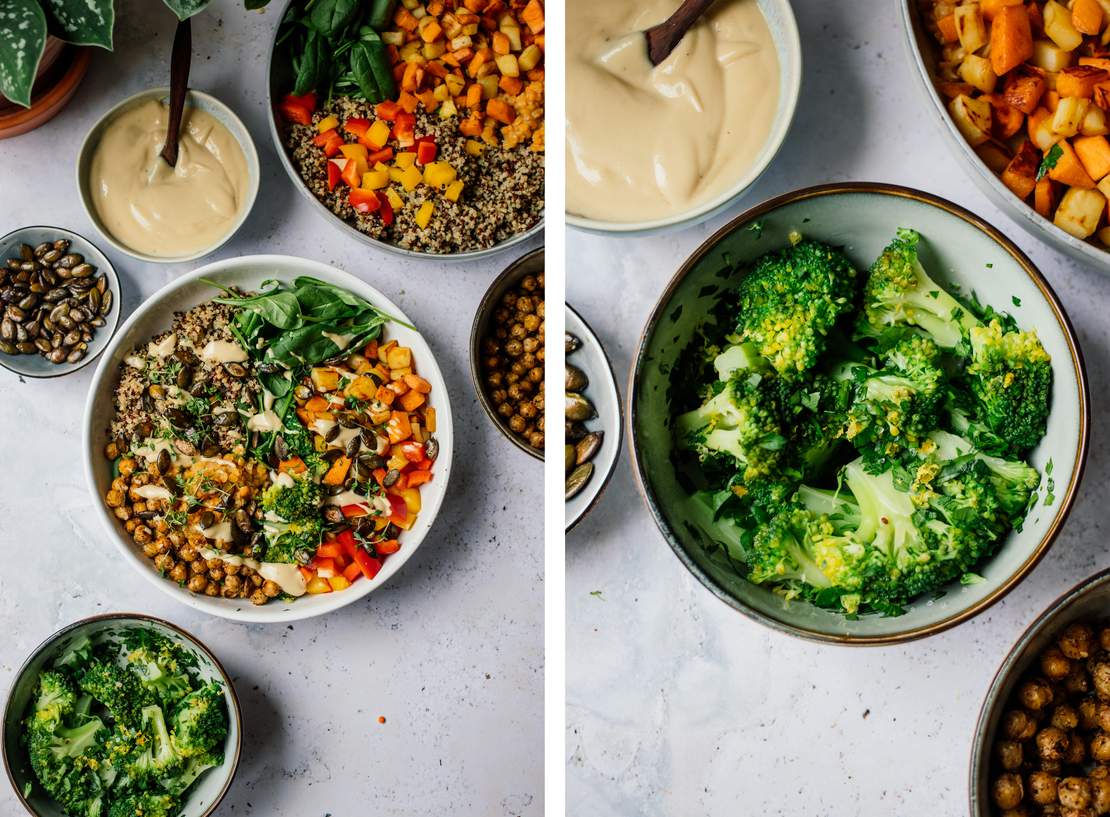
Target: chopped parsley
{"points": [[1049, 161]]}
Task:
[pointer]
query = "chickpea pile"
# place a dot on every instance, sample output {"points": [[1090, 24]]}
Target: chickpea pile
{"points": [[1053, 752], [176, 550], [512, 360]]}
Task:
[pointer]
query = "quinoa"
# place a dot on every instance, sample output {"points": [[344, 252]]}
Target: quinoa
{"points": [[167, 391], [502, 193]]}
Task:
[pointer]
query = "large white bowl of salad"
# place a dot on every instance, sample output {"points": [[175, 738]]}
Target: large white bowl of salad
{"points": [[268, 438]]}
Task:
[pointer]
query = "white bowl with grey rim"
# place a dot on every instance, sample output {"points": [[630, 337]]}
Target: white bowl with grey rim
{"points": [[779, 15], [279, 81], [154, 316], [603, 393], [36, 365], [199, 101]]}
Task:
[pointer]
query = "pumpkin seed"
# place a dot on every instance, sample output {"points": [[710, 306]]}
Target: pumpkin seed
{"points": [[568, 457], [578, 479], [391, 476], [570, 343], [70, 260], [575, 379], [27, 252], [586, 448], [431, 448], [578, 408]]}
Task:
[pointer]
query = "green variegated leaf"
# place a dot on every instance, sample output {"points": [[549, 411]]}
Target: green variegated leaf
{"points": [[22, 39], [83, 22], [184, 9]]}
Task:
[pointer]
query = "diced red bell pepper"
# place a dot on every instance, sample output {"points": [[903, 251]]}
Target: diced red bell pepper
{"points": [[321, 139], [379, 476], [306, 101], [425, 152], [350, 174], [424, 465], [387, 209], [383, 155], [364, 201], [412, 450], [332, 145], [354, 511], [387, 547], [387, 110], [367, 563], [352, 571], [404, 128], [292, 112], [334, 175], [307, 573], [346, 540], [357, 126], [419, 478], [328, 550], [399, 511], [325, 568]]}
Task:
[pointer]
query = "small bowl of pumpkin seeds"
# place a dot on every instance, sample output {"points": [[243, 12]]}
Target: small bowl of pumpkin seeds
{"points": [[593, 422], [59, 301]]}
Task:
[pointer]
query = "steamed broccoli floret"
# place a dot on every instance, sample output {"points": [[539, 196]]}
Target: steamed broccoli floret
{"points": [[293, 520], [741, 421], [791, 299], [117, 688], [193, 768], [199, 723], [160, 669], [293, 503], [145, 804], [288, 541], [55, 699], [899, 291], [1011, 376], [1014, 481]]}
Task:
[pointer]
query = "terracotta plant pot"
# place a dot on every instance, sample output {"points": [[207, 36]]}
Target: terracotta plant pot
{"points": [[60, 72]]}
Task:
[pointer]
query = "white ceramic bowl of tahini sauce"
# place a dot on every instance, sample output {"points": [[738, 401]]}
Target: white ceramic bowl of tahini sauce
{"points": [[651, 148], [153, 212], [153, 317]]}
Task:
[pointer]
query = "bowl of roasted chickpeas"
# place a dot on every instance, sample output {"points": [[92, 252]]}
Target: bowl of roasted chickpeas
{"points": [[507, 352], [1042, 743]]}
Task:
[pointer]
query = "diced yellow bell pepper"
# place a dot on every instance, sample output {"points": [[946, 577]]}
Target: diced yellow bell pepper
{"points": [[381, 166], [439, 174], [474, 147], [395, 200], [339, 582], [410, 178], [396, 174], [375, 179], [454, 190], [327, 123], [405, 159], [412, 499], [424, 214], [318, 585], [378, 135], [354, 151]]}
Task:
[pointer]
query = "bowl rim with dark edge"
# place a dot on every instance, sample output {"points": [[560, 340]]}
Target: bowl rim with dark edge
{"points": [[1037, 278], [138, 618], [482, 317], [104, 335]]}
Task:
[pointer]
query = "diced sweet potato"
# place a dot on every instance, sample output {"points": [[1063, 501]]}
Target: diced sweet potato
{"points": [[1086, 16], [1007, 120], [951, 90], [1024, 90], [1069, 170], [1094, 153], [1044, 197], [1039, 128], [994, 155], [990, 8], [1011, 39], [1021, 174], [946, 25], [1080, 80]]}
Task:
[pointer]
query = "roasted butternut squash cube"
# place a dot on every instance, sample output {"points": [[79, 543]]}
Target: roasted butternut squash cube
{"points": [[324, 379]]}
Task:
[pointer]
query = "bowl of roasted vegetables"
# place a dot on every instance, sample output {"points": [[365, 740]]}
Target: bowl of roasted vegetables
{"points": [[416, 127], [121, 715], [1022, 91], [859, 414], [268, 439], [1040, 743]]}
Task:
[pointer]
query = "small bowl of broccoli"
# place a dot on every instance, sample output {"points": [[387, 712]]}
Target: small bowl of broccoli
{"points": [[119, 715], [859, 414]]}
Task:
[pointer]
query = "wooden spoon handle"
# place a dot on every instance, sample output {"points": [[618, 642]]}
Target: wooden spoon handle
{"points": [[180, 59], [664, 37]]}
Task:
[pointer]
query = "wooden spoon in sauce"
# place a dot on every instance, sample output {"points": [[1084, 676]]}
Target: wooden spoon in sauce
{"points": [[180, 59], [662, 39]]}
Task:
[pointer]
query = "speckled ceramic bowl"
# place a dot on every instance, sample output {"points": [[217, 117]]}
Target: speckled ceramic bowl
{"points": [[204, 796], [154, 316], [957, 248], [530, 264], [602, 391], [36, 365], [923, 52], [195, 99], [1087, 601]]}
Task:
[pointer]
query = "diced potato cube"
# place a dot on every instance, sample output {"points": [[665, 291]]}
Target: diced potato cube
{"points": [[530, 57], [1104, 236], [1104, 186], [993, 156], [362, 387], [970, 27], [424, 214], [400, 357], [1080, 211], [972, 118], [1051, 58], [489, 86], [454, 83], [447, 109], [324, 379], [1094, 123], [1058, 26], [1069, 115], [977, 72], [508, 66], [432, 51]]}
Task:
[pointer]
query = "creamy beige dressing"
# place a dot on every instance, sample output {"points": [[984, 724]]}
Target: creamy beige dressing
{"points": [[648, 142], [222, 351], [160, 210], [264, 421], [152, 491], [162, 348], [286, 576]]}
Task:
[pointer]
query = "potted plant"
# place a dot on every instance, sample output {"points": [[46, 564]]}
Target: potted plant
{"points": [[33, 34]]}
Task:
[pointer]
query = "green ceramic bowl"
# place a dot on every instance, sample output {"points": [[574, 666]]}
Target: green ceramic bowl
{"points": [[959, 248], [202, 798]]}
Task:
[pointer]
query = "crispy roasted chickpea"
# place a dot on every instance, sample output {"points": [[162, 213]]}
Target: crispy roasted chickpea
{"points": [[271, 589], [179, 573], [1042, 787], [1077, 641], [1035, 695], [1100, 747], [1064, 717], [1052, 743], [1054, 665], [1088, 713], [1104, 638], [164, 562], [1100, 793], [212, 589], [1100, 678], [1009, 754], [258, 597], [1074, 792], [1077, 749], [1007, 790], [197, 583], [1078, 681]]}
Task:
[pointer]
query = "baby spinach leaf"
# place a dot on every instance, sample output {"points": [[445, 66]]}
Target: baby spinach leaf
{"points": [[329, 17], [363, 72]]}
